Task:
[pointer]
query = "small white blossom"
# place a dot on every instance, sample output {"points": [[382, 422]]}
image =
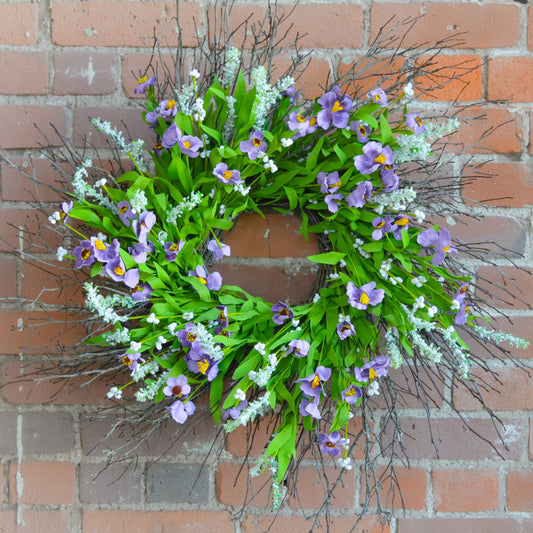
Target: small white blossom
{"points": [[344, 463], [455, 305], [373, 389], [432, 311], [152, 319], [419, 302], [239, 395], [316, 297], [100, 183], [189, 315], [194, 74], [54, 217], [408, 90], [135, 346], [420, 215], [114, 392], [61, 252], [286, 142], [160, 341]]}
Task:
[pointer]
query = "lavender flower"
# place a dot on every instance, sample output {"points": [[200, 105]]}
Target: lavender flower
{"points": [[143, 226], [412, 120], [234, 412], [366, 295], [310, 407], [177, 387], [189, 338], [332, 201], [188, 144], [282, 313], [116, 270], [254, 145], [376, 368], [329, 183], [141, 292], [143, 84], [172, 249], [84, 254], [332, 443], [225, 176], [303, 125], [378, 96], [400, 222], [312, 384], [352, 394], [335, 107], [180, 411], [202, 363], [103, 251], [125, 213], [362, 129], [360, 195], [212, 281], [375, 156], [139, 251], [441, 241], [131, 360], [383, 225], [345, 329], [460, 317], [300, 347]]}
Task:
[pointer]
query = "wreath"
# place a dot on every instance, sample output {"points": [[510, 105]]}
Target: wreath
{"points": [[385, 293]]}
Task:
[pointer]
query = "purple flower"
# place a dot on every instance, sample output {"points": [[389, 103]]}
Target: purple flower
{"points": [[139, 251], [225, 176], [303, 125], [116, 270], [378, 96], [234, 412], [390, 180], [366, 295], [143, 226], [376, 368], [188, 144], [188, 337], [172, 249], [345, 329], [64, 210], [460, 293], [335, 109], [412, 120], [103, 251], [460, 317], [441, 241], [141, 292], [360, 195], [375, 156], [131, 360], [332, 201], [202, 363], [331, 443], [177, 387], [328, 182], [143, 84], [180, 411], [383, 225], [362, 129], [310, 407], [167, 109], [222, 317], [254, 145], [299, 347], [125, 213], [84, 254], [281, 312], [291, 93], [171, 136], [219, 249], [212, 281], [352, 394], [312, 384], [401, 222]]}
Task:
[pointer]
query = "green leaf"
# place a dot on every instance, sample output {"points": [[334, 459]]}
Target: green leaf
{"points": [[340, 154], [329, 258], [291, 196], [386, 132]]}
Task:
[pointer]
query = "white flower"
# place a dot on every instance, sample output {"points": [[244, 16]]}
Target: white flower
{"points": [[194, 74], [114, 392], [172, 328], [252, 375], [334, 275], [408, 90], [286, 142], [100, 183], [152, 319], [188, 316], [135, 346], [420, 216], [455, 305], [432, 311], [373, 389], [419, 302], [344, 463], [160, 341], [260, 347], [61, 252], [316, 297], [239, 395]]}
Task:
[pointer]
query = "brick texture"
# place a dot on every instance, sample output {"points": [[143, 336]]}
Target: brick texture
{"points": [[18, 24]]}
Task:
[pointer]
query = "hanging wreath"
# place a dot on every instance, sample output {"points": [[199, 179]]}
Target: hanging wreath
{"points": [[384, 293]]}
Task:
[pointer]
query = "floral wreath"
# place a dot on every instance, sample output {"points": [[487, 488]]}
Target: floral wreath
{"points": [[385, 293]]}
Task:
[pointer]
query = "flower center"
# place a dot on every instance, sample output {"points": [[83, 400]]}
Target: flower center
{"points": [[336, 107], [312, 121], [256, 142], [350, 392], [158, 146], [171, 104], [300, 118], [127, 361], [99, 245], [380, 225], [191, 337], [330, 444], [362, 130], [344, 328], [176, 390], [187, 144], [203, 280], [418, 121], [316, 382], [227, 174], [402, 221], [446, 248], [364, 299], [119, 271], [85, 253], [203, 365], [173, 247], [372, 374], [462, 290], [381, 158], [123, 209], [377, 98], [142, 80]]}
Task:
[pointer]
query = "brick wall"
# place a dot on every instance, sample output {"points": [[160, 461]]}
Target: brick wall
{"points": [[63, 61]]}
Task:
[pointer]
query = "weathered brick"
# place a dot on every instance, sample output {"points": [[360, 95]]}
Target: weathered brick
{"points": [[472, 490], [36, 521], [121, 23], [8, 423], [168, 521], [505, 287], [3, 495], [489, 25], [47, 433], [84, 73], [465, 525], [138, 65], [311, 80], [27, 72], [177, 483], [506, 77], [454, 441], [8, 274], [508, 184], [119, 483], [19, 23], [19, 121], [45, 482], [520, 491], [234, 486], [119, 118]]}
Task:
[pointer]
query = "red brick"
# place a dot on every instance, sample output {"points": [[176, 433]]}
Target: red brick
{"points": [[506, 77], [84, 73], [35, 521], [505, 287], [520, 491], [167, 521], [467, 490], [457, 77], [311, 80], [520, 326], [19, 121], [408, 490], [488, 130], [8, 275], [499, 185], [135, 66], [234, 486], [336, 524], [25, 72], [510, 390], [22, 387], [481, 26], [341, 24], [18, 187], [50, 482], [19, 24], [464, 525], [121, 23], [132, 118]]}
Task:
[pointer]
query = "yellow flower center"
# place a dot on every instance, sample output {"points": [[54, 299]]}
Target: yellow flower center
{"points": [[203, 365], [380, 225], [372, 374], [350, 392], [364, 299], [85, 253], [362, 130], [462, 290], [330, 444], [316, 382], [467, 309], [191, 337], [123, 209], [336, 107], [99, 245], [418, 121], [227, 174], [256, 142], [402, 221], [312, 121], [171, 104], [300, 118], [203, 280], [376, 98], [187, 144], [338, 184], [142, 80], [119, 271], [446, 248], [158, 146], [127, 361], [380, 159], [173, 247]]}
